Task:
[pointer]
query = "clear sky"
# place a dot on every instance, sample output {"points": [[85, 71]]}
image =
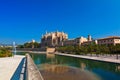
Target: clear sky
{"points": [[24, 20]]}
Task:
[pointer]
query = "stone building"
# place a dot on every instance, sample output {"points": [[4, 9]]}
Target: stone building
{"points": [[89, 42], [75, 42], [113, 40], [53, 39], [80, 40], [69, 42]]}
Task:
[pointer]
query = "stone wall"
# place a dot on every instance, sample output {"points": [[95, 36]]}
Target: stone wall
{"points": [[50, 50], [32, 72], [30, 49]]}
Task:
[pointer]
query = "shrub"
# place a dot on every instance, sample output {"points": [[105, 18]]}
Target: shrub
{"points": [[5, 52]]}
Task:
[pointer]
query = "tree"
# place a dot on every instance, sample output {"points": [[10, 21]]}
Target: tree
{"points": [[4, 52], [30, 45], [116, 50]]}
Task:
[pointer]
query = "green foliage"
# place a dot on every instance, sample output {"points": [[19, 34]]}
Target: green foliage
{"points": [[91, 49], [4, 52], [30, 45], [67, 49], [20, 46]]}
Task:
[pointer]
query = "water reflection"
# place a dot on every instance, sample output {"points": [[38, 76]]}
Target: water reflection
{"points": [[54, 68], [118, 68], [60, 72], [83, 66], [67, 68], [50, 55]]}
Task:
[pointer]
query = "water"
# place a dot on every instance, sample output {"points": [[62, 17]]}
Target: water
{"points": [[20, 53], [69, 68], [55, 67]]}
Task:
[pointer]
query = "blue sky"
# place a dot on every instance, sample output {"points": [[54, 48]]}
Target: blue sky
{"points": [[24, 20]]}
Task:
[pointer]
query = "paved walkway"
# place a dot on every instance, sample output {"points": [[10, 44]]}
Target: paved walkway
{"points": [[8, 66], [105, 59]]}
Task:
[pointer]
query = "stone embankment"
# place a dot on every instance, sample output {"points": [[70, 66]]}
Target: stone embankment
{"points": [[104, 59], [32, 71]]}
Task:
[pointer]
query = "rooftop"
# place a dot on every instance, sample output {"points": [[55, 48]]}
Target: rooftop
{"points": [[110, 37]]}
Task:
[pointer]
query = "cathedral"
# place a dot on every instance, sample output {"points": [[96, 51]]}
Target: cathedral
{"points": [[53, 39]]}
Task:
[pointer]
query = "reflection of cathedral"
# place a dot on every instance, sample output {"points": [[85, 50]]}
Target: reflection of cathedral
{"points": [[56, 68], [118, 68], [83, 66], [53, 39], [60, 72]]}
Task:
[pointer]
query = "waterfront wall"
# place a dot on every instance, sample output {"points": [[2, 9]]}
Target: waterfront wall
{"points": [[31, 49], [50, 50], [103, 59], [32, 72]]}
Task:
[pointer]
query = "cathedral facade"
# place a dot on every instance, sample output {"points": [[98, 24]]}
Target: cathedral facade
{"points": [[53, 39]]}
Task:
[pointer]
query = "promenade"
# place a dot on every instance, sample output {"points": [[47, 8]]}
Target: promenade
{"points": [[8, 66], [111, 59]]}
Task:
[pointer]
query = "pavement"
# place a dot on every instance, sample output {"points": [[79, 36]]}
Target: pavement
{"points": [[111, 59], [8, 66]]}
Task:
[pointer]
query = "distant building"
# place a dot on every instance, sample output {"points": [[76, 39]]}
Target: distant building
{"points": [[113, 40], [69, 42], [53, 39], [74, 42], [6, 45], [89, 42], [80, 40]]}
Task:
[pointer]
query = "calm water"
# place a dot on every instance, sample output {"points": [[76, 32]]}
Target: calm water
{"points": [[55, 67]]}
